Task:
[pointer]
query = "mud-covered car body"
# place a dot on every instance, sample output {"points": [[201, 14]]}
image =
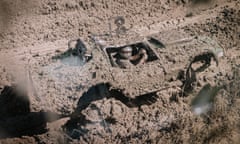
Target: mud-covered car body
{"points": [[162, 68]]}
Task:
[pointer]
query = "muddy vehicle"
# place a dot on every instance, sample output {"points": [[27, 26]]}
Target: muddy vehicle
{"points": [[130, 59], [127, 72]]}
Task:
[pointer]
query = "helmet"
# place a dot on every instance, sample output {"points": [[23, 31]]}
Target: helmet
{"points": [[126, 52]]}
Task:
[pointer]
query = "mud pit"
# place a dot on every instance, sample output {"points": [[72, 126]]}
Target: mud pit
{"points": [[98, 103]]}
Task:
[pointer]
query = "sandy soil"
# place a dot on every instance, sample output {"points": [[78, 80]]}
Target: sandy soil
{"points": [[97, 103]]}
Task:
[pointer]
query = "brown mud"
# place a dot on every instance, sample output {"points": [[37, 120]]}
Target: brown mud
{"points": [[96, 103]]}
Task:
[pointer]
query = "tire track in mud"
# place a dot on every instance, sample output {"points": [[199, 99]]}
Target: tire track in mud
{"points": [[11, 55], [168, 25], [61, 44]]}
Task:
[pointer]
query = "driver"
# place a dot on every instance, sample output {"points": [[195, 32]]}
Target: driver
{"points": [[126, 57]]}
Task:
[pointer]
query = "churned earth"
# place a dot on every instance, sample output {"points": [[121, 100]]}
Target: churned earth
{"points": [[48, 100]]}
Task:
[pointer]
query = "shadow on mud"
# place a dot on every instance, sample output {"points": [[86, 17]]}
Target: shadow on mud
{"points": [[16, 119], [74, 127], [103, 90]]}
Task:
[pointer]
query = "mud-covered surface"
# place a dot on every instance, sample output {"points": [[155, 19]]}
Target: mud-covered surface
{"points": [[45, 99]]}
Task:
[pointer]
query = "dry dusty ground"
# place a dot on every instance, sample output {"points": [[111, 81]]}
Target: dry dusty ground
{"points": [[50, 108]]}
